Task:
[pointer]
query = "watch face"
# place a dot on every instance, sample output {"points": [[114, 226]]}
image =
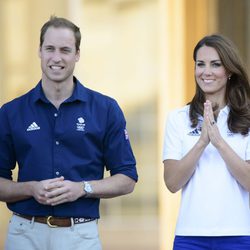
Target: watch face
{"points": [[87, 187]]}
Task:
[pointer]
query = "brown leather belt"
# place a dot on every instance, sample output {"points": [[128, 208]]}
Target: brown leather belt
{"points": [[52, 221]]}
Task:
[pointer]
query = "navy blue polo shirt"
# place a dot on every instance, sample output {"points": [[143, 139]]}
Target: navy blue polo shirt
{"points": [[78, 141]]}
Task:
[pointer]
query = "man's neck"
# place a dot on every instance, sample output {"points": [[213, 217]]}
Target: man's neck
{"points": [[57, 92]]}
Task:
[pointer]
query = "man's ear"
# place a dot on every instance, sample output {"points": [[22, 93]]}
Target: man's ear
{"points": [[78, 55]]}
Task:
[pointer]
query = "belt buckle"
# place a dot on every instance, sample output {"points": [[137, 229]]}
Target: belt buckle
{"points": [[48, 222]]}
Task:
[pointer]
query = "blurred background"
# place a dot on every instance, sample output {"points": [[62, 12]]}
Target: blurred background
{"points": [[140, 53]]}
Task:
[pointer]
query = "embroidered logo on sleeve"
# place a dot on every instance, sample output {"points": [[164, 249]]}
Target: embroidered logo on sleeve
{"points": [[33, 126], [80, 125], [126, 134]]}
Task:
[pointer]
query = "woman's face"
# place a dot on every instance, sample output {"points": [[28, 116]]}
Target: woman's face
{"points": [[210, 74]]}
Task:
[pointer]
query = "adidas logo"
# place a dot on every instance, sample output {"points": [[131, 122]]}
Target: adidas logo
{"points": [[195, 132], [33, 126], [230, 133]]}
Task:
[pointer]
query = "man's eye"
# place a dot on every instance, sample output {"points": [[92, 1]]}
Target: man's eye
{"points": [[66, 50]]}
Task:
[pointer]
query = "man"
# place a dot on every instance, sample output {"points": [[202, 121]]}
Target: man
{"points": [[62, 135]]}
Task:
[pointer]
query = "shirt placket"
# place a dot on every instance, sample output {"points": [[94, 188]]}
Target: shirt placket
{"points": [[57, 147]]}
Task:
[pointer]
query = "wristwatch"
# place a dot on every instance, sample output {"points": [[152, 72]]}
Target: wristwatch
{"points": [[87, 188]]}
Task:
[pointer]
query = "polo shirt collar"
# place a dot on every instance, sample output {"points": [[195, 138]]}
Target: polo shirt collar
{"points": [[225, 110], [79, 93]]}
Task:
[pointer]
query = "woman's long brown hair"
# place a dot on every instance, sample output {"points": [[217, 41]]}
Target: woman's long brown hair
{"points": [[237, 88]]}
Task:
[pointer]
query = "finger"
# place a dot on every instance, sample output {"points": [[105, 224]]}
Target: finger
{"points": [[213, 123], [61, 178], [206, 113], [209, 112], [57, 200], [54, 184], [61, 201], [56, 191]]}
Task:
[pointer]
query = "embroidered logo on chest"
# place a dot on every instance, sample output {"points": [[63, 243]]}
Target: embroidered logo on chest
{"points": [[80, 125], [230, 133], [195, 132], [33, 126]]}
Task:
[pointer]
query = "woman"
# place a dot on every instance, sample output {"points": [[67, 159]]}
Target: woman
{"points": [[207, 152]]}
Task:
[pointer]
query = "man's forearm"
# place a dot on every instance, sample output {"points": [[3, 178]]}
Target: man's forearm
{"points": [[113, 186], [11, 191]]}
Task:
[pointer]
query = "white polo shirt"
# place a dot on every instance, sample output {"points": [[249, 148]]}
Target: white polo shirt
{"points": [[213, 203]]}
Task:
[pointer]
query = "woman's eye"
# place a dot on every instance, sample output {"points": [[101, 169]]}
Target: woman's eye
{"points": [[216, 64], [199, 64]]}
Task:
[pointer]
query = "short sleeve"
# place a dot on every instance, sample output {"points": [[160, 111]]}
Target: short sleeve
{"points": [[172, 147], [248, 148]]}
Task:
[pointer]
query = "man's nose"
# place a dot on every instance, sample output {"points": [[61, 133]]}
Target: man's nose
{"points": [[56, 56]]}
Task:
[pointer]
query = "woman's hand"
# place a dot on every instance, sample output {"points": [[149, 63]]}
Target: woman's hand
{"points": [[204, 138], [211, 126]]}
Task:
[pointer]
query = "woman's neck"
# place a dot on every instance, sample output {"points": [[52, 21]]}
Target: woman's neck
{"points": [[220, 103]]}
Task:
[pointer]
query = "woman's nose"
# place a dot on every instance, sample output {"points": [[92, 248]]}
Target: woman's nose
{"points": [[207, 70]]}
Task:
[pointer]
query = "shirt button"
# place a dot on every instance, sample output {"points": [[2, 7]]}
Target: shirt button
{"points": [[57, 143], [57, 173], [55, 114]]}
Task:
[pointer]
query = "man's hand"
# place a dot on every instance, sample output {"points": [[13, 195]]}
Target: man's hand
{"points": [[41, 189], [62, 191]]}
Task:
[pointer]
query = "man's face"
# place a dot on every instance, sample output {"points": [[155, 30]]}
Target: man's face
{"points": [[58, 55]]}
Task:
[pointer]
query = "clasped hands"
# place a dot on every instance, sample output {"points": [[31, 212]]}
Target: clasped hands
{"points": [[56, 191], [210, 131]]}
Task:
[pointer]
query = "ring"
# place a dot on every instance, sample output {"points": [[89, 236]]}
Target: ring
{"points": [[213, 122]]}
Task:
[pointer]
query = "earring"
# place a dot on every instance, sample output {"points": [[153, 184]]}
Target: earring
{"points": [[229, 78]]}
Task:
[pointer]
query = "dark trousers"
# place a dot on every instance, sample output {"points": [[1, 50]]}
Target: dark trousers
{"points": [[212, 243]]}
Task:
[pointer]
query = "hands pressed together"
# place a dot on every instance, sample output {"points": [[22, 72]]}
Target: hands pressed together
{"points": [[57, 191], [210, 131]]}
